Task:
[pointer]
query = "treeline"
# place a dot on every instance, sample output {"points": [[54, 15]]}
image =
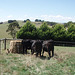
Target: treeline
{"points": [[9, 21], [58, 32], [39, 20], [1, 22], [48, 22]]}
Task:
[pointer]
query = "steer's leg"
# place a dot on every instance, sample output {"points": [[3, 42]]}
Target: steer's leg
{"points": [[40, 53], [49, 54], [23, 49], [43, 52], [36, 54], [26, 51], [52, 53], [32, 51]]}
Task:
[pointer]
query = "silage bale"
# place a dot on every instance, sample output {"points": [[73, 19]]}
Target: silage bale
{"points": [[16, 46]]}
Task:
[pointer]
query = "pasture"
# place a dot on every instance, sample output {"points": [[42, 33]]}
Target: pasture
{"points": [[63, 63]]}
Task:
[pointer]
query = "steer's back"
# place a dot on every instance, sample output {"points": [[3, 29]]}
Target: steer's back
{"points": [[48, 45]]}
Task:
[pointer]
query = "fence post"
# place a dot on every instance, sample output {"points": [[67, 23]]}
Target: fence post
{"points": [[0, 46], [5, 44]]}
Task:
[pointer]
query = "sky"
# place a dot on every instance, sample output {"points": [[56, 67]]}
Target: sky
{"points": [[49, 10]]}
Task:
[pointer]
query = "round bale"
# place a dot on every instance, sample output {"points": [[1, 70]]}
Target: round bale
{"points": [[16, 46]]}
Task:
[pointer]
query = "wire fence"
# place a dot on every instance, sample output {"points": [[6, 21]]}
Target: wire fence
{"points": [[64, 43], [4, 43]]}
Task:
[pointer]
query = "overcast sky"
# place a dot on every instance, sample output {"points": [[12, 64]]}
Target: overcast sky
{"points": [[48, 10]]}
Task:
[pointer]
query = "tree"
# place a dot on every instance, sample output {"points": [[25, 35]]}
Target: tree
{"points": [[71, 33], [68, 23], [12, 28], [45, 32], [10, 21], [1, 22], [26, 20], [59, 32], [26, 31], [44, 27], [38, 20]]}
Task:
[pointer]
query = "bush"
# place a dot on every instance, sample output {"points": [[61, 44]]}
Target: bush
{"points": [[26, 20], [10, 21], [37, 20], [26, 31], [71, 33], [1, 22], [58, 32]]}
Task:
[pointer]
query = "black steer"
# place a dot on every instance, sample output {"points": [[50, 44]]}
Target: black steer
{"points": [[48, 46], [36, 47], [26, 45]]}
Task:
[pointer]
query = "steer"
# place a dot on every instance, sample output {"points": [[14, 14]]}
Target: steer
{"points": [[48, 46], [26, 45], [36, 47]]}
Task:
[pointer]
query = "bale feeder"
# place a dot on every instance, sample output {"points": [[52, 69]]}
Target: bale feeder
{"points": [[16, 46]]}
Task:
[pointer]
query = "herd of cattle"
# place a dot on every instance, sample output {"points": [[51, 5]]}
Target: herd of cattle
{"points": [[38, 46]]}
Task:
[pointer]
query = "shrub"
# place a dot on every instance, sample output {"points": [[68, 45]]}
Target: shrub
{"points": [[26, 31], [59, 32]]}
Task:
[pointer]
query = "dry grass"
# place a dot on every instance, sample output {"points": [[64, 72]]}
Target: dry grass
{"points": [[63, 63]]}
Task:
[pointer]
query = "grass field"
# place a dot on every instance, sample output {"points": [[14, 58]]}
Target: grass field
{"points": [[63, 63]]}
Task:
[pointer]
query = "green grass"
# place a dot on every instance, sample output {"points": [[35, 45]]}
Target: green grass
{"points": [[63, 63], [3, 33]]}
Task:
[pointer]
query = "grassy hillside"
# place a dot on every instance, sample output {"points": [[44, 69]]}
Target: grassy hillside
{"points": [[3, 33], [3, 28], [63, 63]]}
